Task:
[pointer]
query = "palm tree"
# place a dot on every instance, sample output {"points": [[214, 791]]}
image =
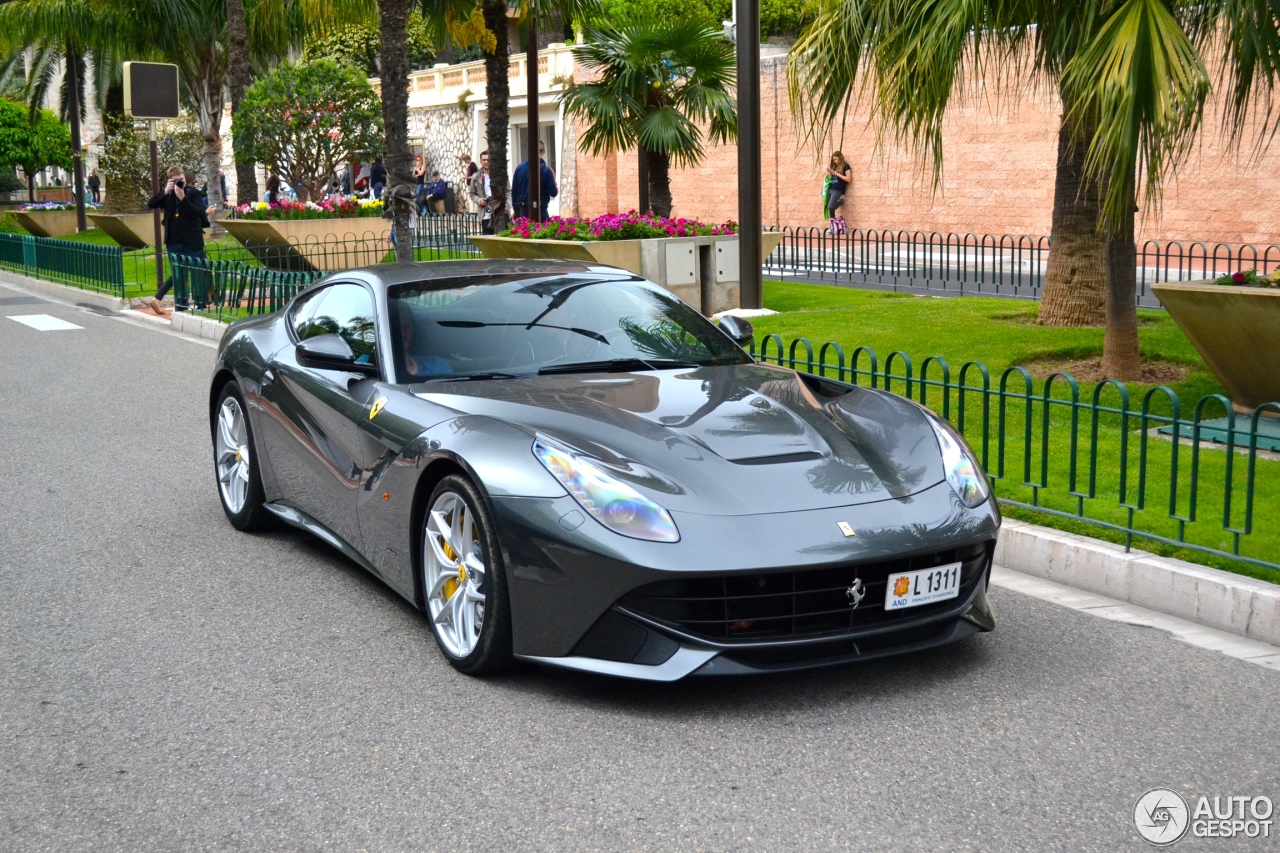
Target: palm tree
{"points": [[1133, 79], [494, 38], [64, 36], [655, 85], [239, 78]]}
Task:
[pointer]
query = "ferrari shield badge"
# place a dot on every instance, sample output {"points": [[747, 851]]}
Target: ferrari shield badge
{"points": [[845, 528], [377, 407]]}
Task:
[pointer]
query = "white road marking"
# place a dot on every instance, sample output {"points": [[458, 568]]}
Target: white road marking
{"points": [[1191, 633], [43, 322]]}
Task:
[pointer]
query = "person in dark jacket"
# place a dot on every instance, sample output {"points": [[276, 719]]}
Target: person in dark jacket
{"points": [[95, 186], [184, 218], [377, 179], [436, 191], [547, 188]]}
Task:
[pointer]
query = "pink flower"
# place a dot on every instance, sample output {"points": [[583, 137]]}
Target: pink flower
{"points": [[1238, 277]]}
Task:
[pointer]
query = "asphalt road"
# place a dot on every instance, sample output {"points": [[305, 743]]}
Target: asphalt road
{"points": [[167, 683]]}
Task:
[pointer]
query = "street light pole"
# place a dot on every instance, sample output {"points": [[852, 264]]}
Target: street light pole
{"points": [[750, 289]]}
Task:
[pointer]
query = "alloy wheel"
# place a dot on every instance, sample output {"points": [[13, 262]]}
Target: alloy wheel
{"points": [[232, 438], [455, 574]]}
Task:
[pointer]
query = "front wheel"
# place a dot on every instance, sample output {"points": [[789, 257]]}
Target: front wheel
{"points": [[463, 581], [235, 462]]}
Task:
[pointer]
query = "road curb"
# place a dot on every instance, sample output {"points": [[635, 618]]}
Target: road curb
{"points": [[200, 327], [75, 295], [1228, 602]]}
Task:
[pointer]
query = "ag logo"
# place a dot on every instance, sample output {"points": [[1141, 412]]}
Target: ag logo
{"points": [[845, 528], [856, 593], [377, 407], [1161, 816]]}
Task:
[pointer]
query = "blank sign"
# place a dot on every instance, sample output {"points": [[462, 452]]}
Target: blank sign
{"points": [[44, 322], [150, 90]]}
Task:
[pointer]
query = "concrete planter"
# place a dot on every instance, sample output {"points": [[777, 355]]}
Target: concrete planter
{"points": [[313, 245], [131, 230], [702, 271], [1235, 330], [48, 223]]}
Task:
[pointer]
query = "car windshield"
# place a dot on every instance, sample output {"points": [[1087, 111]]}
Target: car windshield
{"points": [[503, 327]]}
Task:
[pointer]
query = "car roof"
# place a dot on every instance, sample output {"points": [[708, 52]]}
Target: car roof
{"points": [[388, 275]]}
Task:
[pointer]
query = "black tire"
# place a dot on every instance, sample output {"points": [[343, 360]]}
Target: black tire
{"points": [[492, 651], [253, 515]]}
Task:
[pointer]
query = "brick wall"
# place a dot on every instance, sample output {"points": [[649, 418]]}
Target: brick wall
{"points": [[997, 177]]}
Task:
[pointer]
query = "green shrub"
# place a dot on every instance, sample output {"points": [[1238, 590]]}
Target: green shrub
{"points": [[785, 17], [9, 224]]}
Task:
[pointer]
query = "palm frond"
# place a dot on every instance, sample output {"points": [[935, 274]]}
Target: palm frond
{"points": [[1137, 90]]}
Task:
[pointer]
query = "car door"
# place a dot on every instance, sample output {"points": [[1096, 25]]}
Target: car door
{"points": [[319, 451]]}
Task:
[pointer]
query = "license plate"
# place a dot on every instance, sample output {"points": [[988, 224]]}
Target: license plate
{"points": [[912, 589]]}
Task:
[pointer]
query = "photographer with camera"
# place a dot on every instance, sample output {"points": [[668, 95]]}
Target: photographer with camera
{"points": [[184, 219]]}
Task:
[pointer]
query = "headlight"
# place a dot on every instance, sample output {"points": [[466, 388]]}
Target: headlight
{"points": [[615, 505], [963, 472]]}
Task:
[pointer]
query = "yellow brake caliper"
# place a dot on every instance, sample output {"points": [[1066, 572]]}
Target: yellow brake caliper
{"points": [[452, 584]]}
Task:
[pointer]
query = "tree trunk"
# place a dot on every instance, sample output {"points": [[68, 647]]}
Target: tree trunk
{"points": [[1076, 278], [498, 91], [1120, 354], [206, 94], [74, 86], [659, 183], [240, 76], [392, 24]]}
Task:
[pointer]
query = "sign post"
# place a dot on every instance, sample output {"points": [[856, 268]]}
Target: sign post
{"points": [[151, 93]]}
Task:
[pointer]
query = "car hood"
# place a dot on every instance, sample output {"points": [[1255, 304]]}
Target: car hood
{"points": [[735, 439]]}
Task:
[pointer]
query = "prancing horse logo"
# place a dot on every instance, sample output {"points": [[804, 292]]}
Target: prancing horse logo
{"points": [[856, 593]]}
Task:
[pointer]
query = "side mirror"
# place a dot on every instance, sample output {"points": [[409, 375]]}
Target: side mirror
{"points": [[738, 329], [331, 352]]}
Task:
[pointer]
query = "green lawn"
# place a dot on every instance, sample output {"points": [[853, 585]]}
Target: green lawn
{"points": [[999, 333]]}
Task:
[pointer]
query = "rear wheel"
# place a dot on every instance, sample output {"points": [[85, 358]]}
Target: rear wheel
{"points": [[235, 462], [463, 580]]}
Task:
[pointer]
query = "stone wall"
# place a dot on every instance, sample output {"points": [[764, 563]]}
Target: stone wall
{"points": [[446, 135], [998, 176]]}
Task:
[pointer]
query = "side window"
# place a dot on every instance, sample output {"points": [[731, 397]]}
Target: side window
{"points": [[347, 310], [303, 310]]}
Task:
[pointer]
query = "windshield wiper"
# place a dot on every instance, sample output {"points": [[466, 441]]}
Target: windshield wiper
{"points": [[464, 377], [616, 365]]}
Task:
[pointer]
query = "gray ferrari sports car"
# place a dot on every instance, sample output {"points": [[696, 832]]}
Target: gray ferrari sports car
{"points": [[564, 463]]}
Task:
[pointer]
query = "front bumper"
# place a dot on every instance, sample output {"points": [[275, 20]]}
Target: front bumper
{"points": [[578, 590]]}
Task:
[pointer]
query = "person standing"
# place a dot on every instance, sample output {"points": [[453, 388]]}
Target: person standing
{"points": [[377, 178], [482, 194], [95, 184], [839, 177], [273, 188], [547, 188], [184, 219], [419, 181], [469, 170]]}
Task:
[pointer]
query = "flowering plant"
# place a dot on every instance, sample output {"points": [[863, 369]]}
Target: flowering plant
{"points": [[57, 205], [1249, 278], [330, 208], [615, 226]]}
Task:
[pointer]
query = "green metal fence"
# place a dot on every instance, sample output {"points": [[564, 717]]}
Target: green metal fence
{"points": [[83, 265], [1143, 465], [230, 289]]}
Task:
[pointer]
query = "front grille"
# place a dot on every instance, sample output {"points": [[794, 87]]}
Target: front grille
{"points": [[798, 603]]}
